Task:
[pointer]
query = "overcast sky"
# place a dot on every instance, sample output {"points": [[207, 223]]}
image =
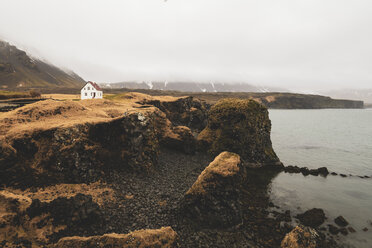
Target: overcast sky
{"points": [[295, 44]]}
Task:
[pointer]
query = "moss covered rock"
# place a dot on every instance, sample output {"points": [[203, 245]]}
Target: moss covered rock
{"points": [[213, 200], [240, 126]]}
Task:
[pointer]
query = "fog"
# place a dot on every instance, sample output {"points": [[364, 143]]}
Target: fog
{"points": [[294, 44]]}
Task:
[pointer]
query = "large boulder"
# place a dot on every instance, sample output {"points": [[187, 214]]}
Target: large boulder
{"points": [[301, 237], [313, 217], [163, 237], [242, 127], [213, 200]]}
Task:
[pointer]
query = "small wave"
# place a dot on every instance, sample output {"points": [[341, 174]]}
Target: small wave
{"points": [[307, 147]]}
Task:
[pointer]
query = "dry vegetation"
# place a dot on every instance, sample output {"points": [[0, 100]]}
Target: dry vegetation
{"points": [[164, 237], [62, 96], [99, 191]]}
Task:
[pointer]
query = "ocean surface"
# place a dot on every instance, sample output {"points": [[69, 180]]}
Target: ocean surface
{"points": [[339, 139]]}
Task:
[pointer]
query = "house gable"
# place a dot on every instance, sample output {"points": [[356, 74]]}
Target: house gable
{"points": [[91, 90]]}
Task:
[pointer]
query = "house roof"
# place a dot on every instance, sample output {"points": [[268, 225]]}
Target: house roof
{"points": [[95, 85]]}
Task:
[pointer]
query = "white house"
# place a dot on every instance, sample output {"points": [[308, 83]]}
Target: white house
{"points": [[91, 91]]}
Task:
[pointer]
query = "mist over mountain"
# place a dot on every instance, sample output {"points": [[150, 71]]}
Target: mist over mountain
{"points": [[19, 70], [352, 94], [193, 86]]}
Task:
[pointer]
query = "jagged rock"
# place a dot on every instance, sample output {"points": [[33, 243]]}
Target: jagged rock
{"points": [[181, 111], [213, 200], [313, 217], [164, 237], [340, 221], [323, 171], [301, 237], [242, 127]]}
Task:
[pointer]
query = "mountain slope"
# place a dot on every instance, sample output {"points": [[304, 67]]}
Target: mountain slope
{"points": [[19, 70]]}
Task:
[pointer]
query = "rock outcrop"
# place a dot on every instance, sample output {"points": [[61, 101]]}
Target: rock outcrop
{"points": [[74, 142], [182, 111], [163, 237], [301, 237], [213, 200], [242, 127], [313, 217]]}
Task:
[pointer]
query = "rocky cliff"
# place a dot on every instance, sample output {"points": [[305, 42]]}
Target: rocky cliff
{"points": [[74, 173], [242, 127], [53, 141]]}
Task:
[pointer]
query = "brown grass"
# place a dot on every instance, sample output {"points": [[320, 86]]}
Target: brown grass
{"points": [[62, 96], [163, 237], [99, 191], [52, 114]]}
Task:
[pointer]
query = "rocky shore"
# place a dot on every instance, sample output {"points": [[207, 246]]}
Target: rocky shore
{"points": [[143, 171]]}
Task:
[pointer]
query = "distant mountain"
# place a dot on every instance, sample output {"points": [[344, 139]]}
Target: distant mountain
{"points": [[19, 70], [352, 94], [191, 87]]}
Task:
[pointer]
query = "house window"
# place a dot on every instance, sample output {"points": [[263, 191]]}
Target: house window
{"points": [[86, 94], [88, 88]]}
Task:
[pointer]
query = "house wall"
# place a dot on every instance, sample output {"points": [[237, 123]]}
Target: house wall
{"points": [[88, 91]]}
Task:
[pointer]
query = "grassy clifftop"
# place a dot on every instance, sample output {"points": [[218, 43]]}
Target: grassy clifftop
{"points": [[276, 100]]}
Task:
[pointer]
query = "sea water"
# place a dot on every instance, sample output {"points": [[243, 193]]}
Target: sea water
{"points": [[339, 139]]}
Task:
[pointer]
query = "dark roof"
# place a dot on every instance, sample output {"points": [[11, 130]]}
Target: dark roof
{"points": [[95, 85]]}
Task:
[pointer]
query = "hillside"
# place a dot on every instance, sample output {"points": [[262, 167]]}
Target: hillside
{"points": [[19, 70]]}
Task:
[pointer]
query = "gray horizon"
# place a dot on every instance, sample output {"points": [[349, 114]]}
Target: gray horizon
{"points": [[293, 44]]}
